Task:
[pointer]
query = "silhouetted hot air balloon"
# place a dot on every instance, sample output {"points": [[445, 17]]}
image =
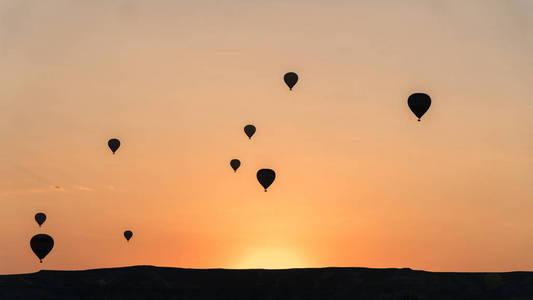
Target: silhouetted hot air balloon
{"points": [[235, 164], [419, 103], [113, 144], [290, 79], [40, 218], [249, 130], [266, 177], [128, 234], [41, 245]]}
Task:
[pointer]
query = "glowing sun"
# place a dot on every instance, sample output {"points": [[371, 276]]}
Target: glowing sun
{"points": [[271, 258]]}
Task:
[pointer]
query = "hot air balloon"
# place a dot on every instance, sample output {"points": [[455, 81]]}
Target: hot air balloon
{"points": [[266, 177], [419, 103], [128, 234], [113, 144], [41, 245], [235, 164], [40, 218], [290, 79], [249, 130]]}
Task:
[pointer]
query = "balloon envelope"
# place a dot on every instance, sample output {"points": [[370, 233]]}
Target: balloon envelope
{"points": [[290, 79], [128, 234], [41, 245], [419, 103], [113, 144], [235, 164], [266, 177], [249, 130], [40, 218]]}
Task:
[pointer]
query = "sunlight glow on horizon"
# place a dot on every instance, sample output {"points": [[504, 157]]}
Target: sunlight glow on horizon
{"points": [[272, 258]]}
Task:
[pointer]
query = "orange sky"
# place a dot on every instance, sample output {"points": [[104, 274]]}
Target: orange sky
{"points": [[359, 181]]}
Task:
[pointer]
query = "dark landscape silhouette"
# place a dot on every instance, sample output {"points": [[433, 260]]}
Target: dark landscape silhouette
{"points": [[147, 282]]}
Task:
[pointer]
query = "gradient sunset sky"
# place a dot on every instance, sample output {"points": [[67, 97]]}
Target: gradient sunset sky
{"points": [[359, 181]]}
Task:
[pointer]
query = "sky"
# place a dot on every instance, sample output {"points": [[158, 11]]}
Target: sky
{"points": [[359, 181]]}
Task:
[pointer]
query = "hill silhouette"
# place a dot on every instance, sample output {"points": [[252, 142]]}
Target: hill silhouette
{"points": [[148, 282]]}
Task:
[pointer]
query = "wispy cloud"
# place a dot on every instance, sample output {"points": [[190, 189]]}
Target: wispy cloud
{"points": [[83, 188], [30, 191]]}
